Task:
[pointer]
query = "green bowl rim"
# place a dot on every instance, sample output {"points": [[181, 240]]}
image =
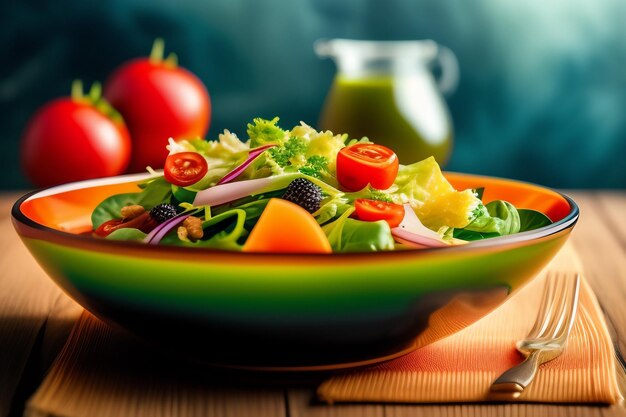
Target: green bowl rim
{"points": [[566, 222]]}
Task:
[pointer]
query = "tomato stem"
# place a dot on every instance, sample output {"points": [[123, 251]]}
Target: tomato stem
{"points": [[172, 60], [94, 98], [77, 90], [158, 49], [95, 92]]}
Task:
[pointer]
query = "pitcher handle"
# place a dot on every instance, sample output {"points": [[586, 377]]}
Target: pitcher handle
{"points": [[449, 78]]}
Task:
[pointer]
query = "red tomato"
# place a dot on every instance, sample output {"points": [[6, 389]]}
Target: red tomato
{"points": [[372, 210], [185, 168], [158, 100], [70, 140], [364, 163]]}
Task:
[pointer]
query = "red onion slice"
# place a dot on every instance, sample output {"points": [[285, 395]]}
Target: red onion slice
{"points": [[159, 232], [252, 155], [224, 193]]}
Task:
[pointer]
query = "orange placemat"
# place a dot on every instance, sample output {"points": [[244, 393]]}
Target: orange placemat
{"points": [[462, 367]]}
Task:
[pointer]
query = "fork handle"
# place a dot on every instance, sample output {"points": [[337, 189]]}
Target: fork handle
{"points": [[515, 380]]}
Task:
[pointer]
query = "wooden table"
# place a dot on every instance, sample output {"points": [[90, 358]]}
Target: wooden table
{"points": [[37, 323]]}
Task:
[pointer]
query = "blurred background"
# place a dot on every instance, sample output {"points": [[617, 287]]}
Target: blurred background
{"points": [[541, 96]]}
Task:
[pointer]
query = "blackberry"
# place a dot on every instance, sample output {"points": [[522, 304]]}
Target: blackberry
{"points": [[305, 194], [163, 212]]}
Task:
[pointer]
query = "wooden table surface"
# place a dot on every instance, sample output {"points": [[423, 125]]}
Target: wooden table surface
{"points": [[34, 324]]}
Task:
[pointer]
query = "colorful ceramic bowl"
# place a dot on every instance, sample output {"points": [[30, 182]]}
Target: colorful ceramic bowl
{"points": [[285, 312]]}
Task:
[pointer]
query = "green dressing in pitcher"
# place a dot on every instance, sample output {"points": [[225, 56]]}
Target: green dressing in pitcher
{"points": [[385, 91]]}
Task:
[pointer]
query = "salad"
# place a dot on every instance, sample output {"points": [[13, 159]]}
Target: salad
{"points": [[302, 190]]}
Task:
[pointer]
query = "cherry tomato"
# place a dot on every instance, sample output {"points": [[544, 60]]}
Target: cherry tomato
{"points": [[372, 210], [185, 168], [364, 163], [70, 140], [158, 100]]}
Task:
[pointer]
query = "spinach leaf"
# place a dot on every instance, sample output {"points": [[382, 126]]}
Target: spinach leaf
{"points": [[532, 219], [470, 235], [155, 192]]}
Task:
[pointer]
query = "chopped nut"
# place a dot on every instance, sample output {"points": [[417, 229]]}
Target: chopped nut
{"points": [[131, 212], [193, 225], [182, 233]]}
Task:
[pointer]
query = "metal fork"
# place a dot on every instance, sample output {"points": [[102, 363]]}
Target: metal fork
{"points": [[548, 337]]}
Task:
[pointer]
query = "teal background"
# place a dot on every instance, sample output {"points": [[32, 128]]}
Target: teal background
{"points": [[542, 95]]}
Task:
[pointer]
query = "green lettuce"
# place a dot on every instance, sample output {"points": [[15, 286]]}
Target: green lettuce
{"points": [[350, 235], [498, 216], [263, 132], [303, 149], [435, 201]]}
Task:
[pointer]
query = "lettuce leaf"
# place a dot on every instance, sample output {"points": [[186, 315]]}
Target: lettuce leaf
{"points": [[350, 235], [262, 132], [435, 201], [324, 144], [496, 218]]}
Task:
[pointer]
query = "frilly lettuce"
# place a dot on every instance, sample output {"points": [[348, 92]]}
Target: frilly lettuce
{"points": [[324, 144], [303, 149], [435, 201], [263, 132]]}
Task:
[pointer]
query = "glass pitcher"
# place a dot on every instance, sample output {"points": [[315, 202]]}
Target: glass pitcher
{"points": [[385, 90]]}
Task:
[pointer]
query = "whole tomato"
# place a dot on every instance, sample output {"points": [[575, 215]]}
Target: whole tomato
{"points": [[158, 100], [72, 139]]}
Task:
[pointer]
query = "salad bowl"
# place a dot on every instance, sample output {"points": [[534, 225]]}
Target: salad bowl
{"points": [[285, 311]]}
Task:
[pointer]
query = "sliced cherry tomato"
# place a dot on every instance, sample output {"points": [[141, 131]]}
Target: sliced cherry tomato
{"points": [[364, 163], [185, 168], [372, 210]]}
